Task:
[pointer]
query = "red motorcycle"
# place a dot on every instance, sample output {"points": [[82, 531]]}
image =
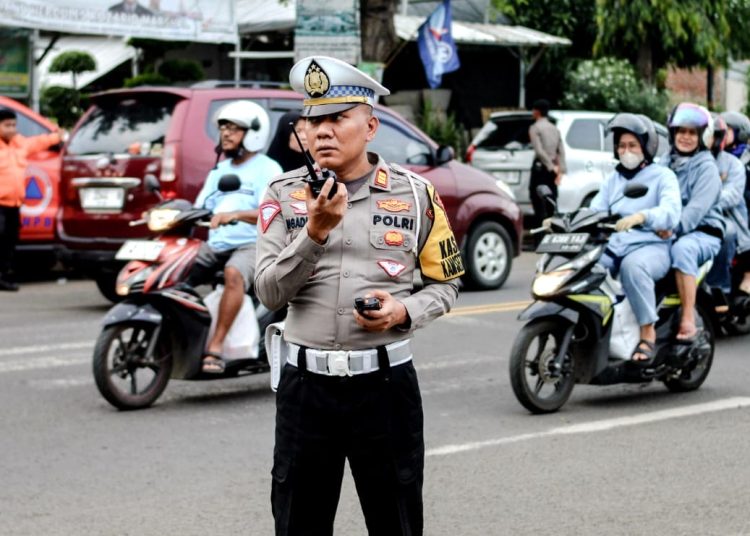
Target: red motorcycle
{"points": [[160, 328]]}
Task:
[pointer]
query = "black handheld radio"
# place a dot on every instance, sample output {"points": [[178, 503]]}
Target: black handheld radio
{"points": [[315, 180]]}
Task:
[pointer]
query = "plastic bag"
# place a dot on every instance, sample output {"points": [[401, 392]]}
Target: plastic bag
{"points": [[242, 339], [625, 331]]}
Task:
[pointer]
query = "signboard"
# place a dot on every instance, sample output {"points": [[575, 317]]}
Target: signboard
{"points": [[207, 21], [15, 62], [329, 28]]}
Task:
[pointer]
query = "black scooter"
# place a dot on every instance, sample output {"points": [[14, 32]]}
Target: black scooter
{"points": [[566, 338]]}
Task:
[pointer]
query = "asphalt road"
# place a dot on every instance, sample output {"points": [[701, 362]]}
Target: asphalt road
{"points": [[616, 460]]}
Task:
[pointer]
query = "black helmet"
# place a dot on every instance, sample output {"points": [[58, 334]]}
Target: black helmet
{"points": [[652, 143], [739, 123], [635, 125]]}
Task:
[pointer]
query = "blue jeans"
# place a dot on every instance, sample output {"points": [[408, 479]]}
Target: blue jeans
{"points": [[639, 270]]}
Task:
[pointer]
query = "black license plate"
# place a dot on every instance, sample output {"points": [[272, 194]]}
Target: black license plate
{"points": [[563, 243]]}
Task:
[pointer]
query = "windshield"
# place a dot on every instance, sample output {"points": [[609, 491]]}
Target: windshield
{"points": [[134, 125], [504, 133]]}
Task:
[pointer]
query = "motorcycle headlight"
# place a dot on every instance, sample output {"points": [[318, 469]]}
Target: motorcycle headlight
{"points": [[161, 219], [583, 260], [549, 283]]}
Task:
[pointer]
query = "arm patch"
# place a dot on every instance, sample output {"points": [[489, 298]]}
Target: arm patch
{"points": [[440, 258]]}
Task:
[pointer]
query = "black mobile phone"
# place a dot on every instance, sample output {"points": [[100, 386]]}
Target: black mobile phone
{"points": [[315, 180], [366, 304]]}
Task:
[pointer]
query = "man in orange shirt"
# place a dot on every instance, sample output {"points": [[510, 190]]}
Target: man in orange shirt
{"points": [[14, 149]]}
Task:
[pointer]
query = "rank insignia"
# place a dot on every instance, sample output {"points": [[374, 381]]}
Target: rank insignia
{"points": [[393, 238], [299, 207], [392, 268], [316, 80], [381, 179], [394, 205], [299, 195], [268, 212]]}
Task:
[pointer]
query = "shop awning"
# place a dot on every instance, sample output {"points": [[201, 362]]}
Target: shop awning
{"points": [[109, 53], [259, 16]]}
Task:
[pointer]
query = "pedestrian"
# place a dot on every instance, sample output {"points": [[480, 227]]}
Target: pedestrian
{"points": [[14, 149], [549, 158], [349, 390]]}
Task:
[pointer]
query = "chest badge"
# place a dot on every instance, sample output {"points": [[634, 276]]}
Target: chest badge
{"points": [[268, 212], [392, 268], [299, 195], [393, 238], [394, 205], [299, 207]]}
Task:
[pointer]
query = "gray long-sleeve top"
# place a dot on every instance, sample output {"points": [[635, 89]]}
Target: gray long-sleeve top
{"points": [[548, 145]]}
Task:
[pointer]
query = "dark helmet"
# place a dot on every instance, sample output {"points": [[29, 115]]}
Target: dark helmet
{"points": [[720, 134], [689, 115], [739, 123], [635, 125]]}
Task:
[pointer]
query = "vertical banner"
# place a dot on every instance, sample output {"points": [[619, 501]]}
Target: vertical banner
{"points": [[436, 46], [329, 28], [15, 62]]}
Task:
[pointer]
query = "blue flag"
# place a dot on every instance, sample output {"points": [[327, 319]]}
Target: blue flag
{"points": [[436, 46]]}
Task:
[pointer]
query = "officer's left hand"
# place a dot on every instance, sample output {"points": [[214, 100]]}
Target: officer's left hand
{"points": [[224, 218], [623, 224], [391, 313]]}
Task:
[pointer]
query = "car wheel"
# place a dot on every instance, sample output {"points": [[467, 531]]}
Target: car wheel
{"points": [[488, 257]]}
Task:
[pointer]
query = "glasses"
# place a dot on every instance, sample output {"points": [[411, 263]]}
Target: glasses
{"points": [[231, 128]]}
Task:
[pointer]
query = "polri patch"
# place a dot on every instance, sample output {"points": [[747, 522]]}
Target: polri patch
{"points": [[381, 179], [394, 205], [268, 212], [299, 207], [393, 238], [392, 268]]}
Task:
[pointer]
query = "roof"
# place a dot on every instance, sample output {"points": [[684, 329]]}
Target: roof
{"points": [[109, 52], [476, 33]]}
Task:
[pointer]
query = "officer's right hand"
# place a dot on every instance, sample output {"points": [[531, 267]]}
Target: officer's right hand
{"points": [[324, 214]]}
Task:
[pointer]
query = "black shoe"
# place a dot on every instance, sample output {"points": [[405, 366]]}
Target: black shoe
{"points": [[8, 285]]}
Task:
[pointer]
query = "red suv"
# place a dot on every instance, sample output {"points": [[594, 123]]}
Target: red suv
{"points": [[171, 133], [36, 248]]}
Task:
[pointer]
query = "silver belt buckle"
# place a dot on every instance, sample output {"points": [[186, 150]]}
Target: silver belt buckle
{"points": [[338, 363]]}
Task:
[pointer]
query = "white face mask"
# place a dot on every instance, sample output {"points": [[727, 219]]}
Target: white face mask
{"points": [[631, 160]]}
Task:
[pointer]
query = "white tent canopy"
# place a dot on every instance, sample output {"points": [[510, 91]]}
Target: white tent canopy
{"points": [[258, 16]]}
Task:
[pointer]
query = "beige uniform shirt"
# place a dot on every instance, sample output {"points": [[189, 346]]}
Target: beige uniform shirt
{"points": [[547, 144], [371, 248]]}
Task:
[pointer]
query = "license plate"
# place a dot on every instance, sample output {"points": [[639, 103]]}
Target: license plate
{"points": [[562, 243], [508, 177], [102, 198], [139, 250]]}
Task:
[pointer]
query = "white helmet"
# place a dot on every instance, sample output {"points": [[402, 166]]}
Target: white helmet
{"points": [[250, 116]]}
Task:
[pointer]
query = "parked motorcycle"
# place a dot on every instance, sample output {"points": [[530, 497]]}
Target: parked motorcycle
{"points": [[160, 328], [566, 338]]}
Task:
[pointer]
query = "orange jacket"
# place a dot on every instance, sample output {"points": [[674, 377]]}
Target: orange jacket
{"points": [[13, 165]]}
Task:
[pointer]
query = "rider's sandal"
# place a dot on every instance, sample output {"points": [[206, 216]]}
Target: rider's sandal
{"points": [[213, 363], [646, 348]]}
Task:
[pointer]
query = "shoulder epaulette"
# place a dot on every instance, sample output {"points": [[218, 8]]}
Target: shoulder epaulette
{"points": [[293, 175], [398, 170]]}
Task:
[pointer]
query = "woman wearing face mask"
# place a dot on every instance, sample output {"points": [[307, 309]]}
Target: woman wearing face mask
{"points": [[701, 228], [640, 255]]}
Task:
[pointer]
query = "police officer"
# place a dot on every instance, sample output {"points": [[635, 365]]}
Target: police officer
{"points": [[349, 389], [549, 157]]}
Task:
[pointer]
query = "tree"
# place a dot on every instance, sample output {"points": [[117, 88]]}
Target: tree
{"points": [[74, 62], [686, 33]]}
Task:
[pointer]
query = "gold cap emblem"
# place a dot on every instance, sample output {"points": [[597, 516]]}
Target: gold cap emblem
{"points": [[316, 80]]}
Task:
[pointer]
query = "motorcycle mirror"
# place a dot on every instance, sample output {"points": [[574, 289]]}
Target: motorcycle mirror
{"points": [[635, 190], [229, 183]]}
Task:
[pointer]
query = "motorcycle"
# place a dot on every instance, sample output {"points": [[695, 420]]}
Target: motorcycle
{"points": [[730, 313], [160, 328], [566, 338]]}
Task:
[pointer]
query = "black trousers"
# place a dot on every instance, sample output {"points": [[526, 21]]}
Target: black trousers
{"points": [[9, 229], [375, 421], [540, 175]]}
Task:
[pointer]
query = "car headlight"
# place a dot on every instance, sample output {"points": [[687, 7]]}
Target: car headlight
{"points": [[161, 219], [549, 283], [505, 188]]}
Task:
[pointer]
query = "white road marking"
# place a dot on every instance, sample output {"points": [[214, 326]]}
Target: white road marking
{"points": [[599, 426], [41, 348], [58, 383], [35, 363]]}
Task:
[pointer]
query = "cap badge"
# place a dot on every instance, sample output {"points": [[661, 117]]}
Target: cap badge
{"points": [[316, 80], [394, 205], [393, 238]]}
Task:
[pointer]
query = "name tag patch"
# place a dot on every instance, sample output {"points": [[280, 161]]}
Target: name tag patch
{"points": [[295, 223], [399, 222], [392, 268]]}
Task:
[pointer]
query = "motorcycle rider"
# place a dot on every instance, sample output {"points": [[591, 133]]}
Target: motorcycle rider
{"points": [[701, 227], [640, 256], [732, 205], [244, 129]]}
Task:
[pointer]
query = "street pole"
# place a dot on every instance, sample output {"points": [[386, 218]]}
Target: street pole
{"points": [[34, 71], [521, 80]]}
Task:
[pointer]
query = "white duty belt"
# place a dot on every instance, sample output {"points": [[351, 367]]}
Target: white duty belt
{"points": [[349, 362]]}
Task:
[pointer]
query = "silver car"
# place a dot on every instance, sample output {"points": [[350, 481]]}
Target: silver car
{"points": [[502, 148]]}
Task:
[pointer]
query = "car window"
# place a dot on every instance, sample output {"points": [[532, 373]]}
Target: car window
{"points": [[28, 127], [398, 144], [586, 134], [116, 124], [501, 133]]}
